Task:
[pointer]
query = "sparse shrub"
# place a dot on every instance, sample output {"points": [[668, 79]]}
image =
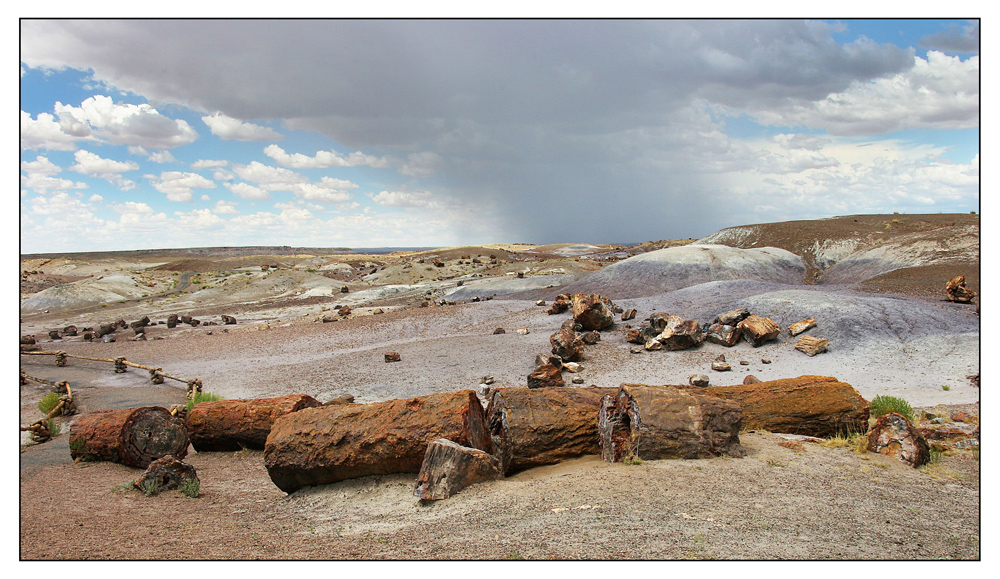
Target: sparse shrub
{"points": [[632, 459], [190, 487], [48, 402], [150, 488], [202, 397], [857, 442], [882, 405], [946, 387], [54, 428]]}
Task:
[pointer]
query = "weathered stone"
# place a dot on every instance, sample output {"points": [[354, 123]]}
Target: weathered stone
{"points": [[437, 262], [223, 425], [523, 331], [894, 435], [591, 338], [449, 467], [757, 330], [27, 339], [659, 321], [342, 399], [811, 405], [723, 335], [751, 379], [69, 331], [700, 380], [628, 314], [54, 335], [657, 422], [172, 321], [592, 311], [545, 376], [720, 364], [228, 320], [531, 428], [567, 345], [572, 324], [166, 473], [577, 380], [732, 317], [799, 327], [572, 367], [956, 291], [811, 345], [548, 359], [560, 305], [681, 336], [653, 345], [540, 303], [392, 357], [344, 289], [345, 311], [636, 336], [323, 445], [499, 331]]}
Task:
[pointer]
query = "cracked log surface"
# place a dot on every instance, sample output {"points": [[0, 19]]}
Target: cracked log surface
{"points": [[130, 436], [225, 425]]}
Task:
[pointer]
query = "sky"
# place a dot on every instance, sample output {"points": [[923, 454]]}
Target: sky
{"points": [[151, 133]]}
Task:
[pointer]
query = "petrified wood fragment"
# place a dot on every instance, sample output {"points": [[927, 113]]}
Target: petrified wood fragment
{"points": [[799, 327], [811, 345], [723, 334], [655, 422], [449, 468], [323, 445], [732, 317], [894, 435], [592, 311], [223, 425], [811, 405], [757, 330], [536, 427], [956, 291], [567, 345], [167, 473], [681, 336], [546, 376], [131, 436]]}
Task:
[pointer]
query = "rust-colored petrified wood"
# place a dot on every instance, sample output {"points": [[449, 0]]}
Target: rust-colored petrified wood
{"points": [[449, 468], [130, 436], [327, 444], [224, 425], [657, 422], [811, 405], [533, 427]]}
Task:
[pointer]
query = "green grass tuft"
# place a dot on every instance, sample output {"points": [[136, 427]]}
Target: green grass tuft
{"points": [[190, 487], [150, 488], [882, 405], [202, 397]]}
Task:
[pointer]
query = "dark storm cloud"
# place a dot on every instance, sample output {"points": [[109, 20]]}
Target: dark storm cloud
{"points": [[954, 39]]}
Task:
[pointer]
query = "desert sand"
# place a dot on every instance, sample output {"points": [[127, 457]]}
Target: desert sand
{"points": [[874, 283]]}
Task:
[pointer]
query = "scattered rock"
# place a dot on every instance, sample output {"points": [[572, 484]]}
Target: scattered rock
{"points": [[653, 345], [228, 320], [591, 338], [744, 363], [757, 330], [69, 331], [54, 334], [342, 399], [732, 317], [172, 321], [166, 473], [799, 327], [765, 361], [751, 379], [377, 311], [437, 262], [449, 467], [545, 376], [956, 291], [723, 335], [592, 311], [344, 289], [392, 356], [486, 380], [720, 364], [548, 359], [573, 325], [628, 314], [698, 380], [540, 303], [572, 367], [577, 380], [793, 445], [346, 311], [894, 435], [27, 339], [811, 345], [499, 331], [559, 306], [635, 350], [523, 331]]}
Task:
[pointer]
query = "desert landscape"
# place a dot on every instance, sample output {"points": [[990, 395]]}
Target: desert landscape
{"points": [[253, 323]]}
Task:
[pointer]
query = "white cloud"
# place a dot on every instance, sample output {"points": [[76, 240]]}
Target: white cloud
{"points": [[228, 128], [200, 219], [208, 164], [95, 198], [206, 197], [40, 166], [162, 157], [225, 208], [177, 186], [132, 207], [268, 177], [44, 133], [221, 175], [401, 199], [323, 159], [247, 191], [89, 163], [123, 124], [45, 184], [321, 194]]}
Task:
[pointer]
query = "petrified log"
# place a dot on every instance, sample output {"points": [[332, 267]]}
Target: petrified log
{"points": [[172, 321], [811, 345], [323, 445], [546, 376], [449, 468], [894, 435], [166, 473], [723, 334], [592, 311], [799, 327], [536, 427], [130, 436], [567, 345], [811, 405], [222, 425], [956, 291], [655, 422], [757, 330], [681, 336]]}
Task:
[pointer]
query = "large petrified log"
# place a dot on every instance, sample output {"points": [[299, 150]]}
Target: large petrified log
{"points": [[532, 427], [811, 405], [223, 425], [130, 436], [655, 422], [592, 311], [323, 445], [449, 468], [894, 435]]}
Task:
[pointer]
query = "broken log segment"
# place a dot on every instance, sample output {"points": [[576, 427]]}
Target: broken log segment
{"points": [[657, 422], [799, 327], [894, 435], [327, 444], [449, 468], [534, 427], [130, 436], [223, 425], [757, 330], [811, 345], [811, 405]]}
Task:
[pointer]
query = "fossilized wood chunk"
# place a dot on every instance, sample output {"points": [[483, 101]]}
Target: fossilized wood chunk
{"points": [[628, 314], [567, 345], [327, 444], [592, 311], [732, 317], [656, 422], [811, 405], [682, 335], [449, 467], [223, 425], [799, 327], [811, 345], [130, 436], [167, 473], [956, 291], [724, 335], [546, 376], [894, 435], [536, 427], [757, 330]]}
